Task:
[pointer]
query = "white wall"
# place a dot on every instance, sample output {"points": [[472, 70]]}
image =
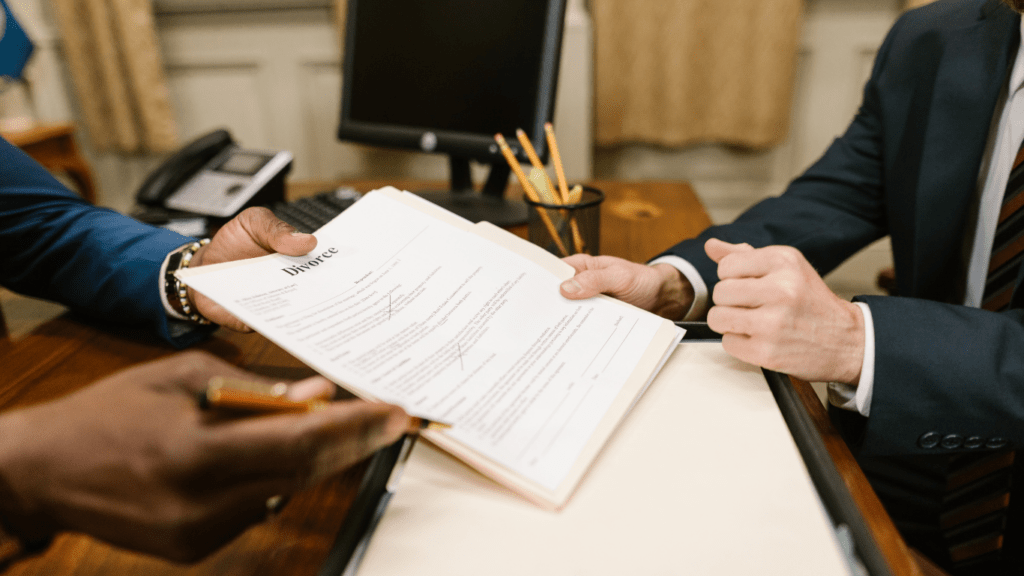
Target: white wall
{"points": [[271, 75]]}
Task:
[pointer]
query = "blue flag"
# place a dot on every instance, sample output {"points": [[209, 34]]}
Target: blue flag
{"points": [[15, 47]]}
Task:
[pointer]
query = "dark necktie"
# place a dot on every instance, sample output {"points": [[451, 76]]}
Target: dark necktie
{"points": [[975, 515], [1008, 246]]}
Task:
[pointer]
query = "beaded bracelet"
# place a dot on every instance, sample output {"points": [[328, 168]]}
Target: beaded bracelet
{"points": [[176, 291]]}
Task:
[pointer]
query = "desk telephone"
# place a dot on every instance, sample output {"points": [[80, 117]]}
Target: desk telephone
{"points": [[213, 177]]}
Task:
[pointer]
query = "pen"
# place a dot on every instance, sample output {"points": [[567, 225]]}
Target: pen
{"points": [[236, 395]]}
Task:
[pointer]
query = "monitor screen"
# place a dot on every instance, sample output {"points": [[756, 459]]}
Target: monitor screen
{"points": [[446, 75]]}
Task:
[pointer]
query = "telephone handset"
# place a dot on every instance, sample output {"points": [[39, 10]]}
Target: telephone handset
{"points": [[214, 177], [181, 166]]}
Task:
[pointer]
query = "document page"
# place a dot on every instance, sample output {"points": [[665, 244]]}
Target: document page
{"points": [[397, 305]]}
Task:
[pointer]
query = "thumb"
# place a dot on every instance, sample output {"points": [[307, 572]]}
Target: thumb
{"points": [[590, 283], [718, 249], [275, 235]]}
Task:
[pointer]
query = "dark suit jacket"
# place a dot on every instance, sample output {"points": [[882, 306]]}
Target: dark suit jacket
{"points": [[908, 167], [102, 264]]}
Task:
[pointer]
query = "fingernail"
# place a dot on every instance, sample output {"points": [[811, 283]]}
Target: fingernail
{"points": [[571, 287]]}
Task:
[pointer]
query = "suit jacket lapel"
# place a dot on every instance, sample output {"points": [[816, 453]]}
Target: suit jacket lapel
{"points": [[956, 112]]}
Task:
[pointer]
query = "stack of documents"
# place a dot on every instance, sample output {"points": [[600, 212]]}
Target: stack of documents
{"points": [[462, 323]]}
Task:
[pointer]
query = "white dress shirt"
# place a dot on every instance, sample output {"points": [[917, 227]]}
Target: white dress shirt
{"points": [[1004, 140]]}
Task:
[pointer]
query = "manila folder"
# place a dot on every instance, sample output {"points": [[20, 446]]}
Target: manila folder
{"points": [[703, 477]]}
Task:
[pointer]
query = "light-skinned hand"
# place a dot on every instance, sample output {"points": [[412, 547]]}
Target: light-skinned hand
{"points": [[253, 233], [133, 461], [660, 288], [774, 310]]}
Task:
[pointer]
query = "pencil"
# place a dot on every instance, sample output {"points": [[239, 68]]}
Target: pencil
{"points": [[535, 160], [235, 395], [563, 186], [556, 159], [528, 189]]}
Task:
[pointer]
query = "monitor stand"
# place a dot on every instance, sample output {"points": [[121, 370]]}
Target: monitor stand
{"points": [[489, 205]]}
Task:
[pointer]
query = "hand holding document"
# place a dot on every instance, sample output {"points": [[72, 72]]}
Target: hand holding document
{"points": [[406, 303]]}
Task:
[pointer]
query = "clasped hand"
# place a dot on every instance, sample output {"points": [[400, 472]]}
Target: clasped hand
{"points": [[770, 305]]}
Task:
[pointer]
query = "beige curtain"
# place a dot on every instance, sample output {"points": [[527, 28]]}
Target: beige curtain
{"points": [[112, 52], [340, 14], [677, 72]]}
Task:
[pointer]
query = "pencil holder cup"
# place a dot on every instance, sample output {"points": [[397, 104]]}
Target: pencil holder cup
{"points": [[565, 229]]}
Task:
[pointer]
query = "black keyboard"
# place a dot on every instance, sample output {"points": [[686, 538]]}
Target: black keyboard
{"points": [[310, 213]]}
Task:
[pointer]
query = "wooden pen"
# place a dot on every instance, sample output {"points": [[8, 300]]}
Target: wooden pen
{"points": [[244, 396]]}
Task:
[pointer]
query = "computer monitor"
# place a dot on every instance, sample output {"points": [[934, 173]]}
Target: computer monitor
{"points": [[445, 76]]}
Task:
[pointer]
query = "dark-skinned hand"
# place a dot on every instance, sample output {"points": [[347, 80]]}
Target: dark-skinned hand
{"points": [[253, 233], [132, 459]]}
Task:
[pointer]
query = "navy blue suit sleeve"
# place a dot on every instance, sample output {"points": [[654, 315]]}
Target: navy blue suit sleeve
{"points": [[943, 368], [101, 264]]}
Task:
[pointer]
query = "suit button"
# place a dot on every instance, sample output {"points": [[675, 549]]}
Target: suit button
{"points": [[974, 442], [995, 442], [951, 441], [929, 440]]}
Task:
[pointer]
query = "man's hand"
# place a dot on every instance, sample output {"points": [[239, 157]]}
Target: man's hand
{"points": [[660, 288], [253, 233], [775, 311], [132, 460]]}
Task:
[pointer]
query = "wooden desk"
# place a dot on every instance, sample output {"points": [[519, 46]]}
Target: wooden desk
{"points": [[638, 221]]}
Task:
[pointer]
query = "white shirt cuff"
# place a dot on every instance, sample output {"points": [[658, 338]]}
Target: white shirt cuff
{"points": [[699, 308], [160, 285], [858, 398]]}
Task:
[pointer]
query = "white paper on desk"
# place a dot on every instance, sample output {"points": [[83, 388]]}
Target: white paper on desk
{"points": [[702, 478], [428, 312]]}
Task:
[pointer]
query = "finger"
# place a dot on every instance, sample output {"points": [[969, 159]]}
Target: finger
{"points": [[590, 283], [345, 449], [315, 388], [305, 448], [579, 262], [764, 261], [730, 320], [750, 264], [273, 234], [602, 275], [216, 313], [219, 513], [741, 346], [191, 371], [718, 249], [740, 292]]}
